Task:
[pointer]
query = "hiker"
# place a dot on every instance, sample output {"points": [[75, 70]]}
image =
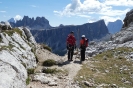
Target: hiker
{"points": [[71, 45], [83, 45]]}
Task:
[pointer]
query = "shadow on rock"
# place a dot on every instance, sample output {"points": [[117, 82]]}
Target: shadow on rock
{"points": [[64, 63], [78, 62]]}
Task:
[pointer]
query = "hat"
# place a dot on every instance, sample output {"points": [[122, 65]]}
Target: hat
{"points": [[83, 36], [71, 32]]}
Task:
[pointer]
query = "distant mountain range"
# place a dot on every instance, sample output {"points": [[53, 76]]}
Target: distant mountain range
{"points": [[40, 23], [12, 20], [55, 37], [114, 27]]}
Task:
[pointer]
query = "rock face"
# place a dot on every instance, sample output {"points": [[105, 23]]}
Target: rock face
{"points": [[33, 24], [124, 38], [114, 27], [128, 19], [56, 37], [16, 57], [126, 33]]}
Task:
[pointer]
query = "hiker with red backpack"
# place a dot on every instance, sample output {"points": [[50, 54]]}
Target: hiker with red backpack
{"points": [[83, 45], [71, 45]]}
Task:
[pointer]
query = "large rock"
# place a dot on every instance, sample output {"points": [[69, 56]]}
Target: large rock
{"points": [[126, 33], [16, 56], [128, 19]]}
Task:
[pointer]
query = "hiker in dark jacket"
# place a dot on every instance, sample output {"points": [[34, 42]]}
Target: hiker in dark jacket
{"points": [[71, 44], [83, 45]]}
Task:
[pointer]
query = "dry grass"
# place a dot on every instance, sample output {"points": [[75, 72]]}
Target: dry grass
{"points": [[107, 69]]}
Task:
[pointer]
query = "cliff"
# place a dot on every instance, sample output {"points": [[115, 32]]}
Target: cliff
{"points": [[56, 37]]}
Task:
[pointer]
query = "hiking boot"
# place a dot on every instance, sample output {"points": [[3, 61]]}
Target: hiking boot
{"points": [[71, 60]]}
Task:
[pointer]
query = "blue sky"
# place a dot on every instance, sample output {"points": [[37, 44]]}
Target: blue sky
{"points": [[66, 12]]}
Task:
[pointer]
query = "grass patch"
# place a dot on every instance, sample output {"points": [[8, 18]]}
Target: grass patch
{"points": [[30, 71], [10, 46], [49, 62], [54, 71], [10, 32], [50, 70], [113, 70], [46, 47], [28, 80]]}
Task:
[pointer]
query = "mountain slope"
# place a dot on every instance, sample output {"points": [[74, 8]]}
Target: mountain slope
{"points": [[114, 27], [56, 37]]}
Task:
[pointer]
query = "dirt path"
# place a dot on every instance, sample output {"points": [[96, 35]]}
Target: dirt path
{"points": [[67, 81]]}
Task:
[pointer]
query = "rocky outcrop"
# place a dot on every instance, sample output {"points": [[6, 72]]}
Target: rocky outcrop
{"points": [[16, 56], [114, 27], [126, 33], [128, 19], [5, 26], [56, 37], [124, 38], [34, 24]]}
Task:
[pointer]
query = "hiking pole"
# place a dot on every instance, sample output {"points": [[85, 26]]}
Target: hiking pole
{"points": [[78, 43]]}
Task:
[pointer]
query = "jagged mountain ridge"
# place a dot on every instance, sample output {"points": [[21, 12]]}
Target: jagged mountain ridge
{"points": [[56, 37], [34, 24], [92, 31], [114, 27]]}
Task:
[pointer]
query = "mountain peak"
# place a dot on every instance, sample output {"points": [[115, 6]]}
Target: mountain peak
{"points": [[34, 24]]}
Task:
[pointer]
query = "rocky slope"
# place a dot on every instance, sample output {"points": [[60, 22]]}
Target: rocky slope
{"points": [[124, 38], [16, 56]]}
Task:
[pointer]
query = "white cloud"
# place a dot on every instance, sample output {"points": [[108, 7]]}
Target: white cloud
{"points": [[111, 12], [91, 20], [3, 11], [17, 17], [109, 19], [76, 7], [127, 3], [97, 9], [33, 6], [85, 16]]}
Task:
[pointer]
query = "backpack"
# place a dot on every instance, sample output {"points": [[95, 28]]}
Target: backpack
{"points": [[83, 46]]}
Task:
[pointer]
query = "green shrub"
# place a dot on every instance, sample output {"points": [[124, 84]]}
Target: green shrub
{"points": [[49, 62], [28, 80], [7, 47], [30, 71], [51, 71], [24, 64], [46, 47]]}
